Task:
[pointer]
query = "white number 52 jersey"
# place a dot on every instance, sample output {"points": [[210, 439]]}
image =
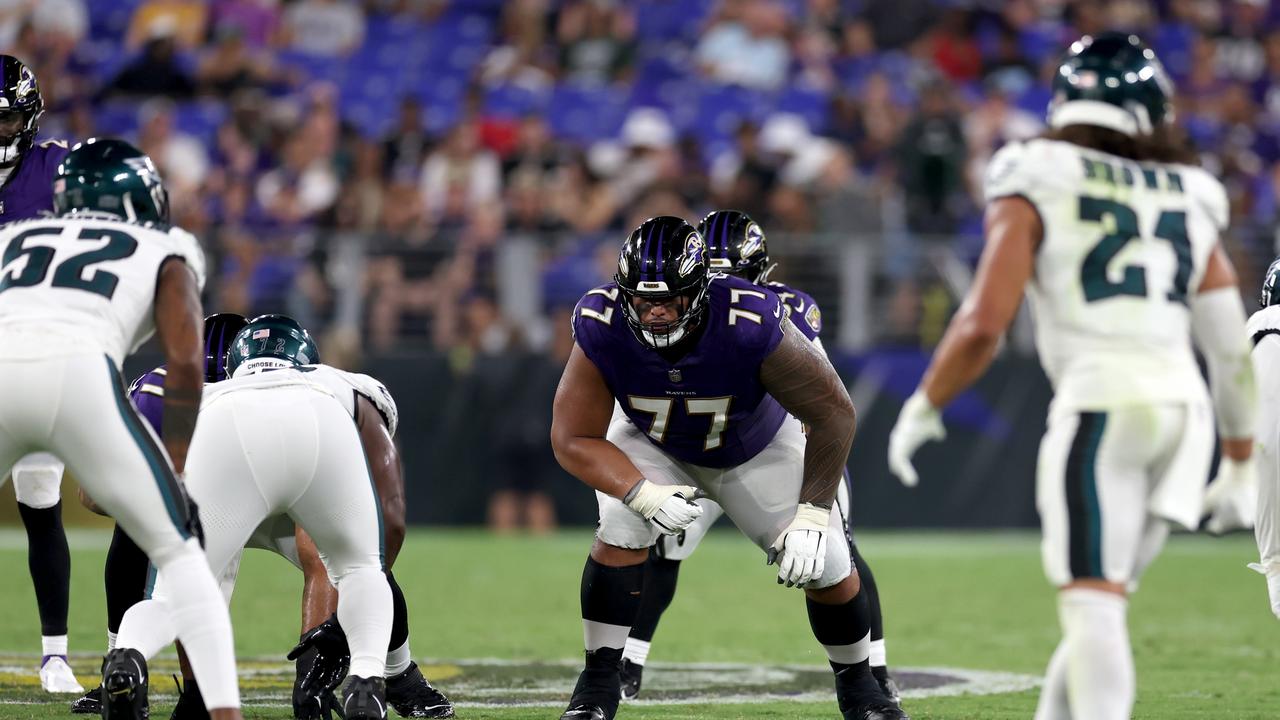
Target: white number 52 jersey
{"points": [[72, 285], [1125, 246]]}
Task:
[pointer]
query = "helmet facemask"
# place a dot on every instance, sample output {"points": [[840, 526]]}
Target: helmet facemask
{"points": [[690, 306], [17, 133]]}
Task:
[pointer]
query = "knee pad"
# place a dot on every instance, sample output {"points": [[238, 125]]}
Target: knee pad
{"points": [[37, 481]]}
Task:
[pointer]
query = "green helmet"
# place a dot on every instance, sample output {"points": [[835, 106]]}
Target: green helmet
{"points": [[110, 176], [1111, 80], [277, 340]]}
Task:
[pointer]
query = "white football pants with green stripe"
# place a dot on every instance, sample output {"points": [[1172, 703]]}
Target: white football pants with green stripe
{"points": [[76, 408], [262, 453]]}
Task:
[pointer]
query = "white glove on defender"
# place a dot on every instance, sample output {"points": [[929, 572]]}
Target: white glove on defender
{"points": [[670, 507], [918, 423], [1272, 571], [801, 549], [1232, 498]]}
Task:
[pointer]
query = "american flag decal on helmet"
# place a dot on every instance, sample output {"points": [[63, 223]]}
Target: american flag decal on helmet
{"points": [[259, 334]]}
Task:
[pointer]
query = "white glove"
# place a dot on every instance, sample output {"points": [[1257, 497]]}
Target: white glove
{"points": [[1232, 498], [918, 423], [670, 507], [1272, 571], [801, 549]]}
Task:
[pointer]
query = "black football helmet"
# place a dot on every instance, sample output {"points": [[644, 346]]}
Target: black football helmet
{"points": [[219, 331], [736, 245], [1111, 80], [19, 99], [663, 258], [1271, 286]]}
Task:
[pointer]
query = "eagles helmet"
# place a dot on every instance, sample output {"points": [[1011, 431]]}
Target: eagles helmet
{"points": [[1111, 80], [271, 342], [20, 108], [736, 245], [110, 176], [219, 330], [663, 258], [1271, 286]]}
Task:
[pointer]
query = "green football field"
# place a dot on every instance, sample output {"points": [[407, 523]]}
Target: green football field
{"points": [[970, 624]]}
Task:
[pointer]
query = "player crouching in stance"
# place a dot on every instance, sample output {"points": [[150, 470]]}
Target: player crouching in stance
{"points": [[706, 371], [1114, 234], [78, 293], [736, 246], [278, 439]]}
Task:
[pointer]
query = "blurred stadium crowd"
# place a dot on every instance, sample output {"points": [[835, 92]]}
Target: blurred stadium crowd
{"points": [[453, 174]]}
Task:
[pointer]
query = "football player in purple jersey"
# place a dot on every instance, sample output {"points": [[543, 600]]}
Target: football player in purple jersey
{"points": [[736, 246], [26, 190], [714, 382]]}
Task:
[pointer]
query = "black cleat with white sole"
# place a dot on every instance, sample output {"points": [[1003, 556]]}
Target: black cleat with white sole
{"points": [[124, 686], [364, 699], [599, 687], [630, 675], [88, 704], [412, 696]]}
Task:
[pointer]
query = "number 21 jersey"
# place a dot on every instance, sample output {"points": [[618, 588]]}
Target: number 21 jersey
{"points": [[1124, 249], [84, 284]]}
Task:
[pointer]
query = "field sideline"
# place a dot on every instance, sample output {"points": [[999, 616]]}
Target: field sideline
{"points": [[495, 622]]}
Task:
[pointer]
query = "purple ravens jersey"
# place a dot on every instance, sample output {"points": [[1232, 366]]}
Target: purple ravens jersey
{"points": [[28, 193], [801, 308], [709, 407], [147, 394]]}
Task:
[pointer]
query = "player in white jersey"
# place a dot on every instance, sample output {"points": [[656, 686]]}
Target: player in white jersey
{"points": [[1115, 238], [1264, 333], [79, 292], [277, 439]]}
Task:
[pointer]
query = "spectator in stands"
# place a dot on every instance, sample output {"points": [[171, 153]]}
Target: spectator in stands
{"points": [[156, 71], [231, 66], [185, 21], [407, 145], [597, 43], [746, 46], [742, 176], [953, 48], [459, 175], [303, 186], [324, 27], [181, 158], [521, 57], [931, 158], [581, 198], [535, 152], [256, 21]]}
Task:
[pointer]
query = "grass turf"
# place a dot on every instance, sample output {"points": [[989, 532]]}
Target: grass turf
{"points": [[1204, 640]]}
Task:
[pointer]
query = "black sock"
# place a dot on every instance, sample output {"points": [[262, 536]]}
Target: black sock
{"points": [[125, 576], [610, 596], [660, 576], [400, 615], [50, 562], [839, 627], [869, 589]]}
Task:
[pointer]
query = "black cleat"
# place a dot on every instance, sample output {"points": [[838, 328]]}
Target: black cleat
{"points": [[364, 699], [124, 686], [190, 702], [887, 684], [630, 676], [599, 687], [88, 704], [413, 697], [870, 706]]}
